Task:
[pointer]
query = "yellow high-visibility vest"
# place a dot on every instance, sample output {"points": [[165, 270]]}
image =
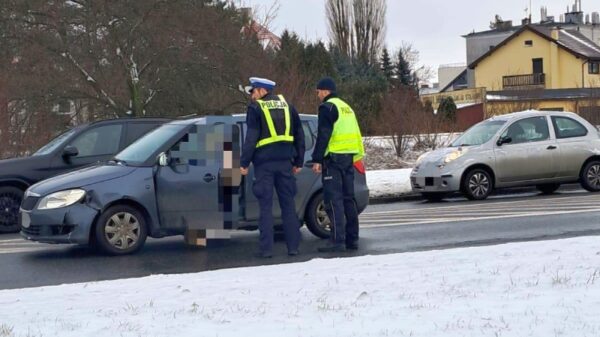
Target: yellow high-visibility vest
{"points": [[346, 137], [266, 107]]}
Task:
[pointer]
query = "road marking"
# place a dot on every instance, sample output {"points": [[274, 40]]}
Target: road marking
{"points": [[433, 220], [559, 200]]}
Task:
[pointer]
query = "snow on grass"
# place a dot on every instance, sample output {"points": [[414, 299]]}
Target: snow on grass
{"points": [[547, 288], [388, 183]]}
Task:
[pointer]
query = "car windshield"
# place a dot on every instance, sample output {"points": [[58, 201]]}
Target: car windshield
{"points": [[54, 143], [479, 134], [141, 150]]}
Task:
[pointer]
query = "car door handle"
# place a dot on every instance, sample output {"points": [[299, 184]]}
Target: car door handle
{"points": [[209, 177], [551, 147]]}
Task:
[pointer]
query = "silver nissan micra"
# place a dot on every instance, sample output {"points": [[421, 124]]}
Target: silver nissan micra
{"points": [[529, 148]]}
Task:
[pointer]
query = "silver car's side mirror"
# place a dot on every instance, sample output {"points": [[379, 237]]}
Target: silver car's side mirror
{"points": [[163, 159]]}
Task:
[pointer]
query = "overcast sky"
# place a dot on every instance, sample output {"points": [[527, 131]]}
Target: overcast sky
{"points": [[434, 27]]}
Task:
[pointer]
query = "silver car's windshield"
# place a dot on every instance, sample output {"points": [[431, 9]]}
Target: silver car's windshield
{"points": [[141, 150], [479, 134]]}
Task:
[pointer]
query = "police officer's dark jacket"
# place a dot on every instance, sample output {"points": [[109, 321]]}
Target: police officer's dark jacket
{"points": [[328, 115], [258, 129]]}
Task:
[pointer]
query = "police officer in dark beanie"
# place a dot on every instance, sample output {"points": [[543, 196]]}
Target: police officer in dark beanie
{"points": [[275, 146], [339, 145]]}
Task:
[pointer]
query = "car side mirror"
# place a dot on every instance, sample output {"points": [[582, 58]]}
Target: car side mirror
{"points": [[70, 151], [504, 140], [163, 159]]}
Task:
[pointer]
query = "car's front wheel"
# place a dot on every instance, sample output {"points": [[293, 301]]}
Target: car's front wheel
{"points": [[317, 220], [477, 184], [120, 230], [10, 201], [547, 188], [590, 176]]}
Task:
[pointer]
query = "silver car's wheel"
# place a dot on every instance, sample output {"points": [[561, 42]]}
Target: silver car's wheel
{"points": [[477, 184], [590, 176], [121, 229]]}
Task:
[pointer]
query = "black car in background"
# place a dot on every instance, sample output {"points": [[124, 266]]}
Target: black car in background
{"points": [[83, 145]]}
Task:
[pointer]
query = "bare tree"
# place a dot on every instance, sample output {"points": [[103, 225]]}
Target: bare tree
{"points": [[341, 31], [369, 28], [357, 29]]}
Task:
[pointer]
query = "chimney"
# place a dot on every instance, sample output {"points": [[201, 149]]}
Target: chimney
{"points": [[555, 33]]}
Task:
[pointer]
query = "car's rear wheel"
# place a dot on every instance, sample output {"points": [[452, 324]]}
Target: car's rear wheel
{"points": [[590, 176], [477, 184], [120, 230], [548, 188], [433, 197], [10, 201], [317, 220]]}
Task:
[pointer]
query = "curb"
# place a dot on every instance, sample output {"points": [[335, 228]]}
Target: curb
{"points": [[504, 191]]}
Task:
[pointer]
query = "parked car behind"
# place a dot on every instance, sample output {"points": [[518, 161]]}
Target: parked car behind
{"points": [[180, 176], [83, 145], [529, 148]]}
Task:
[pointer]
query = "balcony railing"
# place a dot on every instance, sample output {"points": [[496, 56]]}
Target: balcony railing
{"points": [[524, 81]]}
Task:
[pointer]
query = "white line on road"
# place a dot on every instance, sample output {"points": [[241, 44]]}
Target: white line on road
{"points": [[432, 221]]}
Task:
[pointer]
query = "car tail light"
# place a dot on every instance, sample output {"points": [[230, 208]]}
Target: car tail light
{"points": [[360, 167]]}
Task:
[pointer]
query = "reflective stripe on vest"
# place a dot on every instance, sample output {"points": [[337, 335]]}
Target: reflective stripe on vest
{"points": [[266, 107], [346, 137]]}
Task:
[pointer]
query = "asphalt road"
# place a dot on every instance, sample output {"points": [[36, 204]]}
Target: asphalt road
{"points": [[385, 228]]}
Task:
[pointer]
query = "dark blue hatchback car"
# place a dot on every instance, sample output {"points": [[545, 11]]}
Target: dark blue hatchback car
{"points": [[182, 176]]}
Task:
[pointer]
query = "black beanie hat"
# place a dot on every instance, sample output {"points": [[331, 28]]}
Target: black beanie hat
{"points": [[326, 83]]}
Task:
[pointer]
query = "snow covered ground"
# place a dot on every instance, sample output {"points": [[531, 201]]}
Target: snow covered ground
{"points": [[549, 288], [388, 183]]}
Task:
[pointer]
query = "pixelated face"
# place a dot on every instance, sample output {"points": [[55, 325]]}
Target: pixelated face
{"points": [[258, 93], [321, 94]]}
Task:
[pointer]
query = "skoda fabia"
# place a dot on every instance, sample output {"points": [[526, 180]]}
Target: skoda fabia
{"points": [[183, 176], [530, 148]]}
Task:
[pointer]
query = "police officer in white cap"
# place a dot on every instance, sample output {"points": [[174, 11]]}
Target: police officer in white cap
{"points": [[275, 146]]}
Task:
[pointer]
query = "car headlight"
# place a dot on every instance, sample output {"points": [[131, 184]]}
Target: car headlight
{"points": [[421, 157], [454, 155], [61, 199]]}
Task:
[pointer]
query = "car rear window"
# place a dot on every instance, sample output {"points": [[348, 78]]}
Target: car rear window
{"points": [[566, 127]]}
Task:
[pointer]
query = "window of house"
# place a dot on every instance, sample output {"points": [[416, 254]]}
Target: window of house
{"points": [[594, 67], [528, 43]]}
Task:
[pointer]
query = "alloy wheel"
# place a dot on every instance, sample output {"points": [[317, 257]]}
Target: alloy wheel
{"points": [[479, 184], [9, 209], [593, 176]]}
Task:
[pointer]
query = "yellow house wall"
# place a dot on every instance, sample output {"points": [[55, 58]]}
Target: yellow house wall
{"points": [[562, 69], [500, 108]]}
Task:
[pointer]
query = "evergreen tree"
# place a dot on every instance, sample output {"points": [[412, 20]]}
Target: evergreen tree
{"points": [[403, 71], [447, 109], [386, 65]]}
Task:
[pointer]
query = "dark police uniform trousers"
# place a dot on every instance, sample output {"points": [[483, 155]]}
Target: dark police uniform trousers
{"points": [[276, 174], [338, 192]]}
